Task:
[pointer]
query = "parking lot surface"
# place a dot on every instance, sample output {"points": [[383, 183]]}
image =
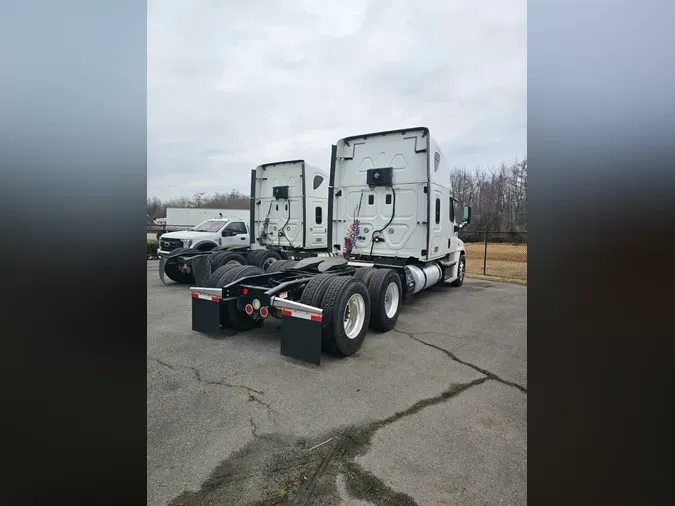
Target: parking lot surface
{"points": [[432, 412]]}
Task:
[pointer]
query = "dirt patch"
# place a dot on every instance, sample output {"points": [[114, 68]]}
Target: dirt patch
{"points": [[276, 469]]}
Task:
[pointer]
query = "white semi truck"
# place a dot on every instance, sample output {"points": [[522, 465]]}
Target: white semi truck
{"points": [[286, 222], [393, 229], [289, 202]]}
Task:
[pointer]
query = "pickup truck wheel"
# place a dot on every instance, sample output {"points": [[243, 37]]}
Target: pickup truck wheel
{"points": [[461, 269], [385, 298], [226, 258], [346, 315], [364, 274], [266, 259], [238, 319]]}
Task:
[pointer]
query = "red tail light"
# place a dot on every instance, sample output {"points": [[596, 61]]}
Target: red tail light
{"points": [[244, 291], [264, 312], [249, 309]]}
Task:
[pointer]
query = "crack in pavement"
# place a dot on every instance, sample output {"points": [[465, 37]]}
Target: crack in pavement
{"points": [[451, 392], [454, 357], [199, 378], [254, 432]]}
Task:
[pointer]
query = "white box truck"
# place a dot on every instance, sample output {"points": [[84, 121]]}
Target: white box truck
{"points": [[190, 217]]}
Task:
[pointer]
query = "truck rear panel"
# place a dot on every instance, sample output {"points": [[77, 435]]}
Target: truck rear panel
{"points": [[406, 154], [289, 208]]}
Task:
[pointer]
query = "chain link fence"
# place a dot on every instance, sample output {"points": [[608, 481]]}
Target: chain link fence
{"points": [[497, 254]]}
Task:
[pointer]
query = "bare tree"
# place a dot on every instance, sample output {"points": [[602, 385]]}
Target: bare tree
{"points": [[498, 196], [197, 199]]}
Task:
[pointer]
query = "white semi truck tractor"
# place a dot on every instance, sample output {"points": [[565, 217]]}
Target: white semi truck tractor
{"points": [[287, 221]]}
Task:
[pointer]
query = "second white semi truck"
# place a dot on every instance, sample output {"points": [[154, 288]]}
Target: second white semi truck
{"points": [[287, 221]]}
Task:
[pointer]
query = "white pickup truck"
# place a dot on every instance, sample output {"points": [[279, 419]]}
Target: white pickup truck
{"points": [[207, 235]]}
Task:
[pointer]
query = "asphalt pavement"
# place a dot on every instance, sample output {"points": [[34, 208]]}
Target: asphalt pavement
{"points": [[432, 412]]}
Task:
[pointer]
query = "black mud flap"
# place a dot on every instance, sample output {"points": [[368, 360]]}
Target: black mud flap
{"points": [[301, 339], [205, 314], [201, 268]]}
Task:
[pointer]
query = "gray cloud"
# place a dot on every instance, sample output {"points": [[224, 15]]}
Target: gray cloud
{"points": [[233, 84]]}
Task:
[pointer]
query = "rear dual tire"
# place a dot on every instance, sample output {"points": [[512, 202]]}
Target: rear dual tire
{"points": [[226, 258], [346, 315], [263, 258], [230, 315], [173, 272], [384, 288], [346, 311]]}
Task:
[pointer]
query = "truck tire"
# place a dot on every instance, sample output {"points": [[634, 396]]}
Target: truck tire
{"points": [[385, 299], [214, 278], [238, 319], [346, 315], [281, 266], [253, 255], [313, 293], [173, 273], [461, 269], [228, 274], [364, 274], [266, 259], [226, 258]]}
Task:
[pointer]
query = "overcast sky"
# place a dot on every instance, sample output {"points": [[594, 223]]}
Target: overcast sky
{"points": [[236, 83]]}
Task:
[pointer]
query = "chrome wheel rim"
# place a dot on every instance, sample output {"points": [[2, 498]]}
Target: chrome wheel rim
{"points": [[460, 274], [391, 297], [354, 315], [233, 262], [268, 262]]}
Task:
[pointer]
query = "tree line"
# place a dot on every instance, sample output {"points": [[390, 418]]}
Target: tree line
{"points": [[498, 198]]}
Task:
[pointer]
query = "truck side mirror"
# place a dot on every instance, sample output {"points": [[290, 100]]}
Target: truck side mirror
{"points": [[466, 219]]}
